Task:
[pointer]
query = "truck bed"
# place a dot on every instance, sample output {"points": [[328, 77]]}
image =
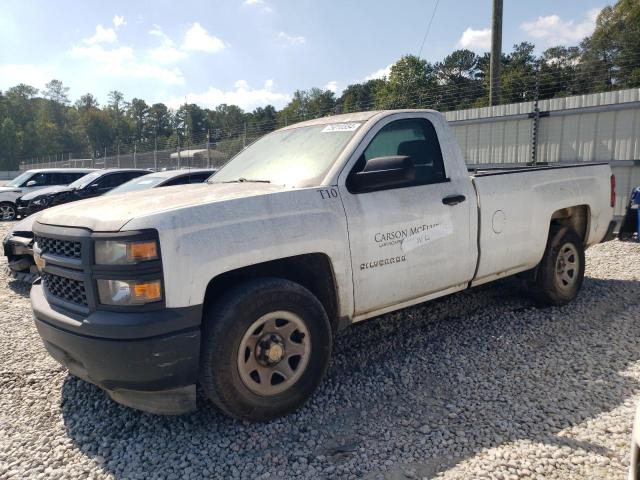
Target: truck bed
{"points": [[515, 211]]}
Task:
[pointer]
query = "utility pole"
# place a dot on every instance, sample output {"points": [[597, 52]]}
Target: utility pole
{"points": [[496, 53]]}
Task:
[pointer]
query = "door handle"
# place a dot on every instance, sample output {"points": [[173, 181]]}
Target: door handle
{"points": [[453, 199]]}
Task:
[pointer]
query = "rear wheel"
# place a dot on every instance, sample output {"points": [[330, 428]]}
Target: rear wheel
{"points": [[266, 345], [7, 211], [561, 270]]}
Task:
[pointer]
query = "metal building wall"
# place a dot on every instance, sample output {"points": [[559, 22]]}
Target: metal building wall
{"points": [[584, 128]]}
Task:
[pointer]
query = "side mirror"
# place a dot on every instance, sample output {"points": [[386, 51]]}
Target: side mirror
{"points": [[31, 183], [385, 172]]}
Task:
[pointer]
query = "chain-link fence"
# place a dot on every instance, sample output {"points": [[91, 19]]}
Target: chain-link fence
{"points": [[204, 155]]}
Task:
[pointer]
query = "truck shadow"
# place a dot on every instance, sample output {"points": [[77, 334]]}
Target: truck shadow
{"points": [[432, 384]]}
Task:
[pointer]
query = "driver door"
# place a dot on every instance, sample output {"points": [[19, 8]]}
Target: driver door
{"points": [[407, 241]]}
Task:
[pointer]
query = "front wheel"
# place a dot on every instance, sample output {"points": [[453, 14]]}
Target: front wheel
{"points": [[561, 270], [7, 211], [266, 345]]}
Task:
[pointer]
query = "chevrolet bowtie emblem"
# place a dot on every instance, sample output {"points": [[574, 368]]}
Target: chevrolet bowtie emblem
{"points": [[37, 258]]}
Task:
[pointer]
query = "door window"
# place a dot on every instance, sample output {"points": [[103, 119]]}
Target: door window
{"points": [[41, 179], [415, 138]]}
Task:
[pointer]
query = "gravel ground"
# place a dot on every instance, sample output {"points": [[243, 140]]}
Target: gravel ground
{"points": [[477, 385]]}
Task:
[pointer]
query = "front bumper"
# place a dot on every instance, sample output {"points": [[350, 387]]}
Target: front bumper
{"points": [[131, 356], [25, 211], [20, 263]]}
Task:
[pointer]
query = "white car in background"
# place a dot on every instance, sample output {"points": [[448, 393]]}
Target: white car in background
{"points": [[18, 242], [32, 180]]}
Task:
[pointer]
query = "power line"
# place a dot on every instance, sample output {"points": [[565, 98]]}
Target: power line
{"points": [[426, 33]]}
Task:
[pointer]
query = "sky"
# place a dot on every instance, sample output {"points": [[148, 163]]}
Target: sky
{"points": [[254, 52]]}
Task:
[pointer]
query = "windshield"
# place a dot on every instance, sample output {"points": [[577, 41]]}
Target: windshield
{"points": [[297, 157], [20, 179], [86, 180], [141, 183]]}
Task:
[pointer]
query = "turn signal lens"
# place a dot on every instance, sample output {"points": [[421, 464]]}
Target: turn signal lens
{"points": [[122, 252], [142, 251], [149, 291], [129, 292]]}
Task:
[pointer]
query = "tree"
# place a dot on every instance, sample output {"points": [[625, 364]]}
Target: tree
{"points": [[519, 74], [558, 72], [57, 92], [8, 145], [160, 120], [411, 84], [138, 112], [262, 120], [459, 80], [99, 128], [117, 106], [87, 102], [360, 96], [610, 55], [308, 104]]}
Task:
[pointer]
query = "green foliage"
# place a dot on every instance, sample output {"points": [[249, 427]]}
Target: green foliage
{"points": [[34, 123], [410, 82]]}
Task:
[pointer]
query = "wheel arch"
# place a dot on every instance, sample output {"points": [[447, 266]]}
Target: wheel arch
{"points": [[577, 217], [314, 271]]}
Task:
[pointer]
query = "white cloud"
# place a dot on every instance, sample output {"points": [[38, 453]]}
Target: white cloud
{"points": [[552, 30], [379, 74], [118, 21], [197, 39], [242, 95], [167, 52], [292, 39], [102, 35], [122, 62], [476, 40], [332, 86], [253, 2], [12, 74]]}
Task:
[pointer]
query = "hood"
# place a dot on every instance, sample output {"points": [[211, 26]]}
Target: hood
{"points": [[10, 189], [43, 192], [24, 225], [111, 213]]}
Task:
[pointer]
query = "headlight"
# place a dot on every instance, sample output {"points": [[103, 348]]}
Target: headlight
{"points": [[129, 292], [122, 252], [42, 202]]}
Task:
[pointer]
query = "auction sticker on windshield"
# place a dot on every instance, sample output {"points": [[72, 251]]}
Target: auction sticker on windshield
{"points": [[341, 127]]}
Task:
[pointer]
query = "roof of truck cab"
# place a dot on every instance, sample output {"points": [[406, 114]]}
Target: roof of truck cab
{"points": [[353, 117]]}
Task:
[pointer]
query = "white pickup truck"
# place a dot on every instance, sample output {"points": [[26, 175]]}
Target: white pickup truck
{"points": [[240, 284]]}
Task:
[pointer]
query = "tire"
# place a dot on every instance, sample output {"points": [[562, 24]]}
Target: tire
{"points": [[8, 211], [294, 315], [561, 271]]}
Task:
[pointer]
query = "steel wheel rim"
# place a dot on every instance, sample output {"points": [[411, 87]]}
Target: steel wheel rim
{"points": [[7, 212], [567, 266], [277, 334]]}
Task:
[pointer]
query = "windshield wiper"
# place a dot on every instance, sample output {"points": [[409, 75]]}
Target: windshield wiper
{"points": [[247, 180]]}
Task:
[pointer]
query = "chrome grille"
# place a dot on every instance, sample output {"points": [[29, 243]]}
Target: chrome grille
{"points": [[65, 288], [63, 248]]}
